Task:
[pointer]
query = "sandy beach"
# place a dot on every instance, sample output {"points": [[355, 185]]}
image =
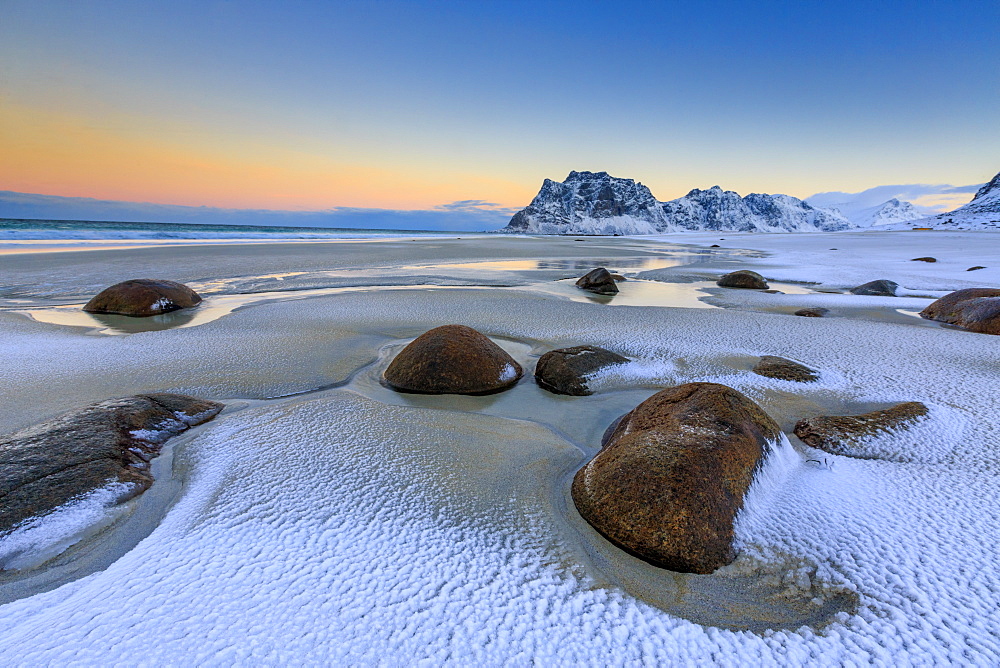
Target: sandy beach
{"points": [[324, 518]]}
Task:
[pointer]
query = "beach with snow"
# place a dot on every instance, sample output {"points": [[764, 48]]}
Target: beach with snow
{"points": [[323, 518]]}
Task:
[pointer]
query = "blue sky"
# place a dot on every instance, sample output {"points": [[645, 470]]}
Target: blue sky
{"points": [[412, 105]]}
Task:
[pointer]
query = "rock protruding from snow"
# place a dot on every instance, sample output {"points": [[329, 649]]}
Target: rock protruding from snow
{"points": [[565, 371], [452, 359], [743, 278], [671, 478], [771, 366], [143, 297], [110, 443], [845, 434], [879, 288], [974, 309], [596, 203]]}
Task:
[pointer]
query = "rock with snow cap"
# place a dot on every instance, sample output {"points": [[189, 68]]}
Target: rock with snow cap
{"points": [[50, 464], [452, 359], [143, 297], [565, 371], [672, 476]]}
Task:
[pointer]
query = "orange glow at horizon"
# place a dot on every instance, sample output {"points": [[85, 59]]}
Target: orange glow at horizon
{"points": [[53, 153]]}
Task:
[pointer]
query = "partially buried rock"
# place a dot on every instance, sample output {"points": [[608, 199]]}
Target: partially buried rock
{"points": [[143, 297], [974, 309], [565, 371], [976, 268], [843, 434], [672, 476], [106, 444], [744, 278], [879, 288], [598, 280], [784, 369], [453, 359], [814, 312], [924, 259]]}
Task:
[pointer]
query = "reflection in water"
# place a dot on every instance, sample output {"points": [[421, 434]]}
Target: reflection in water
{"points": [[577, 264]]}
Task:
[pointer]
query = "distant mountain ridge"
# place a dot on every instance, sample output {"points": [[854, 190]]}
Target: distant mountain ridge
{"points": [[982, 213], [598, 203]]}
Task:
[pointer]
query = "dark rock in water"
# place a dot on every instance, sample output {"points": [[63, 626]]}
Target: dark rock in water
{"points": [[976, 268], [924, 259], [974, 309], [47, 465], [618, 278], [598, 280], [783, 369], [743, 278], [564, 371], [841, 434], [453, 359], [667, 485], [814, 312], [715, 246], [879, 288], [143, 297]]}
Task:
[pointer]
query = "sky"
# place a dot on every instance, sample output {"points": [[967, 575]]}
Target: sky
{"points": [[418, 106]]}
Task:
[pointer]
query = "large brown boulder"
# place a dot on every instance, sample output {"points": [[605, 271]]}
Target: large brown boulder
{"points": [[669, 481], [744, 278], [784, 369], [843, 434], [565, 371], [599, 281], [143, 297], [880, 288], [974, 309], [47, 465], [453, 359]]}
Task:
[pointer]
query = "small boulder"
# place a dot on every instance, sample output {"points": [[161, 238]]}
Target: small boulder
{"points": [[143, 297], [715, 246], [47, 465], [813, 312], [669, 481], [842, 434], [924, 259], [974, 309], [879, 288], [976, 268], [452, 359], [565, 371], [743, 278], [784, 369], [598, 280]]}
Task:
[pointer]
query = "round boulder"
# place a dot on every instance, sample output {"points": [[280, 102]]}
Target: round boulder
{"points": [[879, 288], [784, 369], [565, 371], [974, 309], [143, 297], [668, 483], [599, 281], [453, 359], [744, 278]]}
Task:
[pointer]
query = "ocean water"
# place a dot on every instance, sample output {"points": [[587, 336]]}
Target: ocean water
{"points": [[12, 229]]}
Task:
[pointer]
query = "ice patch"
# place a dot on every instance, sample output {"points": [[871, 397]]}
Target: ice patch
{"points": [[38, 539], [508, 374]]}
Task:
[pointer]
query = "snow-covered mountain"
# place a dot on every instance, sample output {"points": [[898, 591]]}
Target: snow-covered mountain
{"points": [[982, 213], [887, 213], [871, 208], [590, 203], [597, 203]]}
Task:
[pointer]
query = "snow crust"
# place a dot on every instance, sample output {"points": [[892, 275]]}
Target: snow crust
{"points": [[341, 529]]}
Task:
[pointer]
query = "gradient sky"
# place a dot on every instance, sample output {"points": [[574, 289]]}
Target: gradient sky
{"points": [[411, 105]]}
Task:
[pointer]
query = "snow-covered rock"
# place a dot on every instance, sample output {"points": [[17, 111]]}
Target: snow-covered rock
{"points": [[597, 203]]}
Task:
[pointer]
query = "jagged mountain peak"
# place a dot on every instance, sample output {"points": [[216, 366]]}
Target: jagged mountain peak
{"points": [[598, 203], [992, 187]]}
